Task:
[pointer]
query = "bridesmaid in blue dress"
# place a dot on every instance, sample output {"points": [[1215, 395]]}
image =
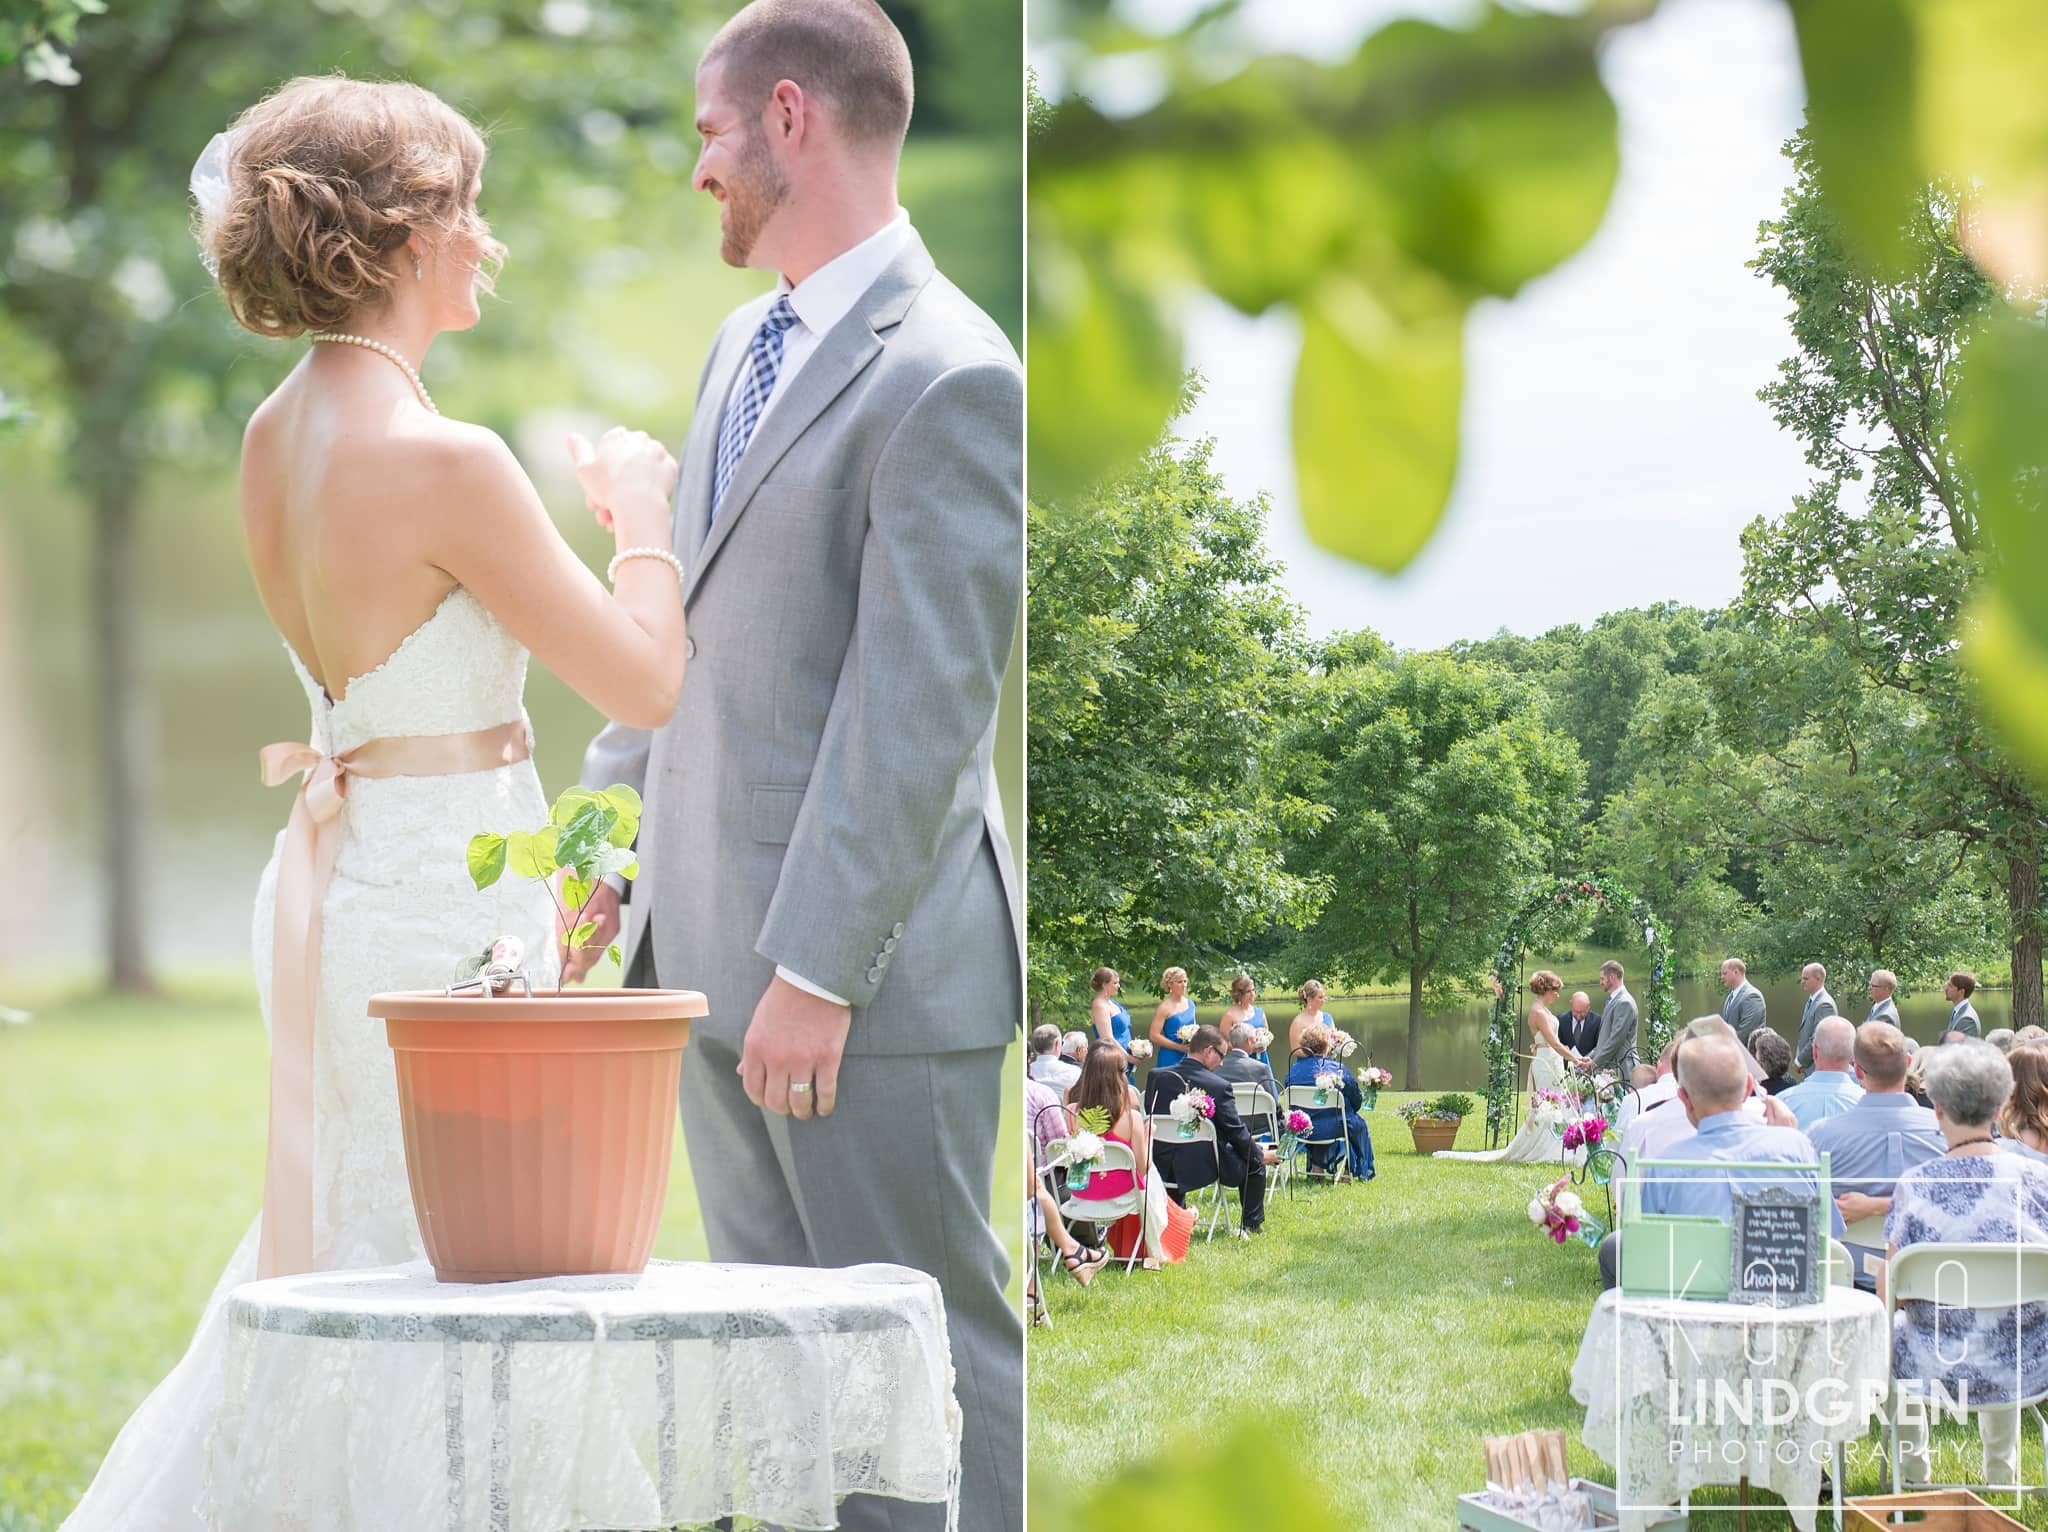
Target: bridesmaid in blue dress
{"points": [[1172, 1019], [1111, 1021], [1243, 1008]]}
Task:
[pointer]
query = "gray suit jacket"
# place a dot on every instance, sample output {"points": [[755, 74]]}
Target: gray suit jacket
{"points": [[1744, 1010], [1964, 1019], [824, 797], [1616, 1049], [1820, 1005]]}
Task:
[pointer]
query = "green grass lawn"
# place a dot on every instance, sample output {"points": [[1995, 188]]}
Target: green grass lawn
{"points": [[131, 1162], [1365, 1342]]}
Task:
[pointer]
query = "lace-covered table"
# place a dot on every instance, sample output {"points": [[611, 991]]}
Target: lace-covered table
{"points": [[383, 1398], [1664, 1384]]}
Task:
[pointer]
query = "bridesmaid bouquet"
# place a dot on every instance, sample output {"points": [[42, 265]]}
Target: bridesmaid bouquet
{"points": [[1342, 1044], [1141, 1047]]}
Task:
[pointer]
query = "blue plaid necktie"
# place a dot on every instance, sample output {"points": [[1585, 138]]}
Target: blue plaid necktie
{"points": [[764, 361]]}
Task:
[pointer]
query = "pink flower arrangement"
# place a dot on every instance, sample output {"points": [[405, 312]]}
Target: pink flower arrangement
{"points": [[1297, 1122], [1558, 1211], [1585, 1133]]}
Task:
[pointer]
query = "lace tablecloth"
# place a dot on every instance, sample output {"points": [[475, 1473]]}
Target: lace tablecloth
{"points": [[385, 1399], [1667, 1384]]}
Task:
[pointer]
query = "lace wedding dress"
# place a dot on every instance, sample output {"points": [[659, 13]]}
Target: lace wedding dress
{"points": [[1536, 1144], [401, 913]]}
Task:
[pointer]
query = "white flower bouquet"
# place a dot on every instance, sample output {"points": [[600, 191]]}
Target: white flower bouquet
{"points": [[1190, 1110]]}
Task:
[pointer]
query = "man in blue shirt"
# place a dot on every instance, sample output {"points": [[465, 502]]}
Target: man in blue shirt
{"points": [[1831, 1089], [1713, 1082], [1879, 1139]]}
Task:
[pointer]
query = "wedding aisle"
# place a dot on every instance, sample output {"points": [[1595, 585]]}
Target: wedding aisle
{"points": [[1367, 1340]]}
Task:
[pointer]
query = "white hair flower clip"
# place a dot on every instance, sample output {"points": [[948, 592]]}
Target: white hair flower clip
{"points": [[210, 188]]}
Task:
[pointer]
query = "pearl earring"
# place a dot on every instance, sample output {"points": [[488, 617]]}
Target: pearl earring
{"points": [[417, 273]]}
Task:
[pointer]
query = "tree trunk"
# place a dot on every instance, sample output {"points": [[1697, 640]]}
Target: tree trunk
{"points": [[2023, 900], [1414, 1079], [123, 733]]}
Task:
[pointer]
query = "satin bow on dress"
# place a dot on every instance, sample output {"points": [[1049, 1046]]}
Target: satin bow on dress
{"points": [[311, 844]]}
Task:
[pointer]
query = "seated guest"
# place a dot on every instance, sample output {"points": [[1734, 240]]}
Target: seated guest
{"points": [[2000, 1038], [1884, 984], [1831, 1088], [1102, 1084], [1043, 1113], [1047, 1067], [1642, 1077], [1976, 1193], [1243, 1066], [2024, 1122], [1648, 1095], [1243, 1159], [1774, 1055], [1954, 1037], [1074, 1048], [2029, 1034], [1665, 1131], [1882, 1136], [1713, 1082], [1315, 1062]]}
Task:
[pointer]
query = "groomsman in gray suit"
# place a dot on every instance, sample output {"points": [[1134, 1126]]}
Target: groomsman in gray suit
{"points": [[1820, 1005], [1961, 986], [822, 846], [1744, 1008], [1884, 984], [1616, 1049]]}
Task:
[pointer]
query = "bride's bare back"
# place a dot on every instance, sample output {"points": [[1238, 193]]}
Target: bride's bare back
{"points": [[362, 509]]}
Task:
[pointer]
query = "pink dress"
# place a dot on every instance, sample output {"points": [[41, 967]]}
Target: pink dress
{"points": [[1109, 1183]]}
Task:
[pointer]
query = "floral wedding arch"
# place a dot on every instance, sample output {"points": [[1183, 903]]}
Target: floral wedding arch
{"points": [[1660, 1007]]}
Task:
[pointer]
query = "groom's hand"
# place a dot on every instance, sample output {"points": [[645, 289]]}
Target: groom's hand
{"points": [[794, 1036], [604, 910]]}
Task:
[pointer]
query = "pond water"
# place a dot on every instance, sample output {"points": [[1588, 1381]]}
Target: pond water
{"points": [[1454, 1041]]}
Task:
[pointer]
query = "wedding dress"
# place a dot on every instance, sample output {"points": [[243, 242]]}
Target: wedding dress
{"points": [[400, 913], [1537, 1143]]}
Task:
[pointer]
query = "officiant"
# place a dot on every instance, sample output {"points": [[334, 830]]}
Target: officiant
{"points": [[1579, 1029]]}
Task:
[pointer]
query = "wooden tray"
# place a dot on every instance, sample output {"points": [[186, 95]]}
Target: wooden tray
{"points": [[1937, 1510]]}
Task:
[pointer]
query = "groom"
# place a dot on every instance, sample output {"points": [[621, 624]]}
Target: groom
{"points": [[822, 846], [1616, 1049]]}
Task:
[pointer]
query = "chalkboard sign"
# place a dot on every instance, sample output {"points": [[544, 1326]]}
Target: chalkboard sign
{"points": [[1774, 1246]]}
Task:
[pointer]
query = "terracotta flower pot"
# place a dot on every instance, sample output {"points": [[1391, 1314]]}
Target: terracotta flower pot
{"points": [[1434, 1133], [538, 1130]]}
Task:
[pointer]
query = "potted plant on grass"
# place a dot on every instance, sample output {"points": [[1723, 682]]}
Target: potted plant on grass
{"points": [[539, 1127], [1433, 1120]]}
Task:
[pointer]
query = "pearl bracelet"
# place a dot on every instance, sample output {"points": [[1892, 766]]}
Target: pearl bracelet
{"points": [[611, 570]]}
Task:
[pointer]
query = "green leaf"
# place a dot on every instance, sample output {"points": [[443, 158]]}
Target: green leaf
{"points": [[1859, 58], [486, 859], [1092, 1119], [579, 843], [614, 954], [2011, 672], [1105, 369], [1999, 408], [572, 802], [1498, 184], [582, 934], [531, 855], [576, 892], [1376, 420], [622, 799]]}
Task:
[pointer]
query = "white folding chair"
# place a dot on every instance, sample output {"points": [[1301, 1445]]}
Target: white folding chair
{"points": [[1866, 1242], [1166, 1132], [1254, 1100], [1967, 1276], [1104, 1210], [1304, 1098]]}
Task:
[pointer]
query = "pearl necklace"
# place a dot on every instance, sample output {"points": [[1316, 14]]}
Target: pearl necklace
{"points": [[384, 351]]}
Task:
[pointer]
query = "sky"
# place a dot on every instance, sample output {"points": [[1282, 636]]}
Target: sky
{"points": [[1613, 443]]}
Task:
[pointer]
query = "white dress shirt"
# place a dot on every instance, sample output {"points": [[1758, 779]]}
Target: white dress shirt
{"points": [[820, 301]]}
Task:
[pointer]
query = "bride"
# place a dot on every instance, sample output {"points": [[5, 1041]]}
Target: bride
{"points": [[1537, 1143], [409, 567]]}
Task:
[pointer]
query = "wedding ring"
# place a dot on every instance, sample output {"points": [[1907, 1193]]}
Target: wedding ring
{"points": [[798, 1087]]}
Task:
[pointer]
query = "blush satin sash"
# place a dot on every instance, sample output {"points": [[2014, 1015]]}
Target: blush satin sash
{"points": [[312, 841]]}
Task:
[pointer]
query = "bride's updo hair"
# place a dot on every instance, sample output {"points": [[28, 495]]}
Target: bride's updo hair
{"points": [[326, 178], [1543, 982]]}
